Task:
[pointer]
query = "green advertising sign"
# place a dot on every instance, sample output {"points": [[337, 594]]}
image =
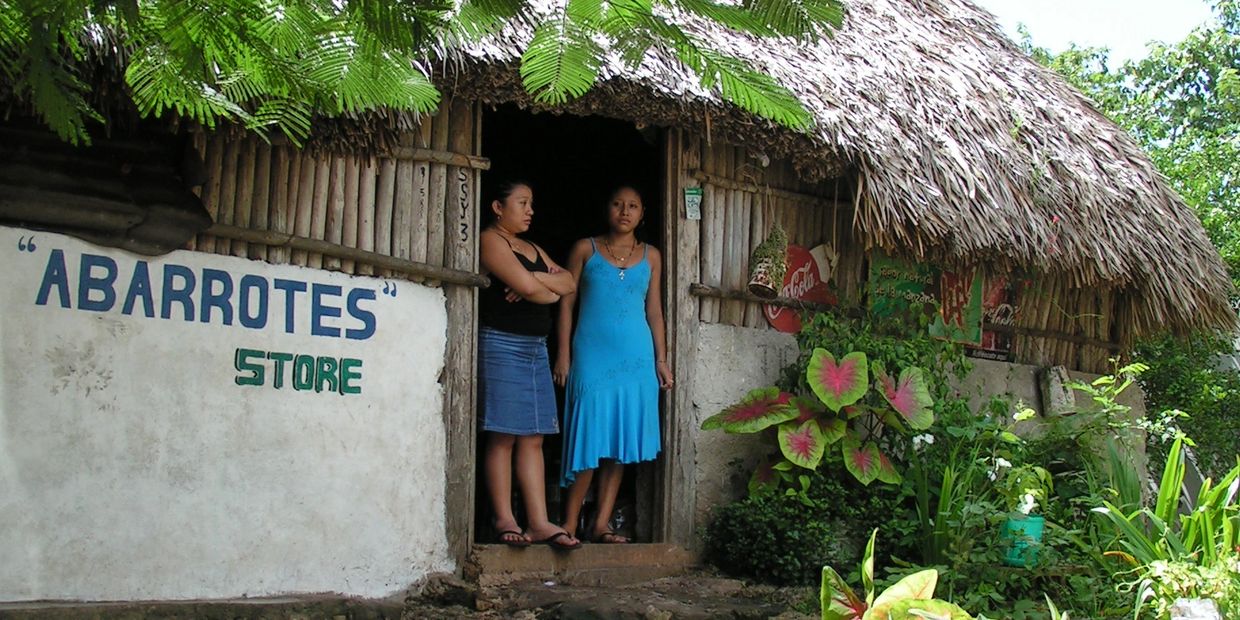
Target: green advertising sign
{"points": [[901, 288]]}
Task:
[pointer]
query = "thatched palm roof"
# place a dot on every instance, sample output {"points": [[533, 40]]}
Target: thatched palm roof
{"points": [[967, 150]]}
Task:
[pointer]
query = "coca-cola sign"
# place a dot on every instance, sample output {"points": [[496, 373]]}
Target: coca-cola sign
{"points": [[806, 280]]}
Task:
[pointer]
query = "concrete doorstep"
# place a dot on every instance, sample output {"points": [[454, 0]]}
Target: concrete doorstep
{"points": [[497, 565]]}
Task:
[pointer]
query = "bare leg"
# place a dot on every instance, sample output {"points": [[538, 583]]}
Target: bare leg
{"points": [[576, 497], [610, 473], [530, 472], [499, 483]]}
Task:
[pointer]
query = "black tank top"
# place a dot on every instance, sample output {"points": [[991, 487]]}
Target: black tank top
{"points": [[519, 317]]}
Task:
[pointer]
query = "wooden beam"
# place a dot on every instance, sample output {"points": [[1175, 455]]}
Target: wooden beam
{"points": [[318, 246], [698, 289], [727, 183], [441, 157]]}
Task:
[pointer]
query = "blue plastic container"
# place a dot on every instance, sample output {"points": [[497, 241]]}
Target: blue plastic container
{"points": [[1023, 537]]}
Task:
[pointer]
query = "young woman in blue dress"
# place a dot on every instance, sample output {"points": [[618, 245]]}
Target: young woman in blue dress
{"points": [[515, 397], [613, 364]]}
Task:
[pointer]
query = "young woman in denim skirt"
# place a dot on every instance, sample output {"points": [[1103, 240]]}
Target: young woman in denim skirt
{"points": [[613, 364], [516, 398]]}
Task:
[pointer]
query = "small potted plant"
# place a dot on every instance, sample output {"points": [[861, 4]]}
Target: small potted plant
{"points": [[1024, 487], [768, 264]]}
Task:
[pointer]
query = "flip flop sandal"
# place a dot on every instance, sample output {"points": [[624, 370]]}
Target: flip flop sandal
{"points": [[518, 542], [608, 537], [554, 541]]}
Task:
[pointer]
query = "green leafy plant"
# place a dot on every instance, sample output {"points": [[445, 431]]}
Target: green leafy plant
{"points": [[1154, 539], [772, 538], [771, 256], [271, 64], [808, 427], [786, 539], [1024, 487], [1185, 377], [910, 597]]}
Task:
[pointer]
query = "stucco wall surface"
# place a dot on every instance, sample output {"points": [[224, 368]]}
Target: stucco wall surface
{"points": [[1021, 382], [143, 457], [730, 362]]}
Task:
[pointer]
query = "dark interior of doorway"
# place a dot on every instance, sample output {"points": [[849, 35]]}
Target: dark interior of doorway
{"points": [[573, 164]]}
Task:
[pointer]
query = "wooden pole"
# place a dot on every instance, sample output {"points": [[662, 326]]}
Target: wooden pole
{"points": [[228, 191], [352, 203], [318, 215], [262, 197], [368, 178], [333, 231], [423, 154], [431, 273], [459, 407], [243, 208], [678, 506], [733, 312], [288, 174], [421, 244], [402, 212], [383, 208], [211, 189], [305, 203], [758, 232], [711, 252], [437, 211]]}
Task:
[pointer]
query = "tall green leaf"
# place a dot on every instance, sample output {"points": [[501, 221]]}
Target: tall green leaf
{"points": [[1168, 503]]}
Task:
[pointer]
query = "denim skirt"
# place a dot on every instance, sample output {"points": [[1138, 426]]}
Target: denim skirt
{"points": [[515, 394]]}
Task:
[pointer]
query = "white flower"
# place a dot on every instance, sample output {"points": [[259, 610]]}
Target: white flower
{"points": [[926, 438], [1027, 503], [1002, 462], [1024, 414], [992, 475]]}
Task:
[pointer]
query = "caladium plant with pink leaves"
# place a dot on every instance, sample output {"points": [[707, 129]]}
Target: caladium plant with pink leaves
{"points": [[842, 414]]}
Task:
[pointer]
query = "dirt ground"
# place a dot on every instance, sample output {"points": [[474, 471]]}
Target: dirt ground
{"points": [[689, 597], [694, 596]]}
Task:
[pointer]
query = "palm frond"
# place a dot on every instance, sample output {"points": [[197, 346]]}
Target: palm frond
{"points": [[732, 16], [477, 19], [562, 60], [800, 19]]}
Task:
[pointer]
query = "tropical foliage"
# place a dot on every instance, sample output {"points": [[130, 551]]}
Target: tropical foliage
{"points": [[910, 597], [1179, 555], [279, 63], [809, 426]]}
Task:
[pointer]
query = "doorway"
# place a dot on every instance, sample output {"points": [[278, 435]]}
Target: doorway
{"points": [[573, 163]]}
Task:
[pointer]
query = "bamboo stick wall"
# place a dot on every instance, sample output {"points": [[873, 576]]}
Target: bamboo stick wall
{"points": [[743, 199], [397, 205], [1069, 314]]}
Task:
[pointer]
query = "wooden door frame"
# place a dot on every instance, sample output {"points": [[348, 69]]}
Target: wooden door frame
{"points": [[461, 348], [677, 497], [674, 494]]}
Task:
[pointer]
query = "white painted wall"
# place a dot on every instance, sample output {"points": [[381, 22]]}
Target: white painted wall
{"points": [[134, 467], [730, 362]]}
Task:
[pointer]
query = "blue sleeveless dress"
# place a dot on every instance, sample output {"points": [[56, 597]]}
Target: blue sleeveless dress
{"points": [[611, 408]]}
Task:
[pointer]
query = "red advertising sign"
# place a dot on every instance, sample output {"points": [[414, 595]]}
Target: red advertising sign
{"points": [[1000, 306], [805, 280]]}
